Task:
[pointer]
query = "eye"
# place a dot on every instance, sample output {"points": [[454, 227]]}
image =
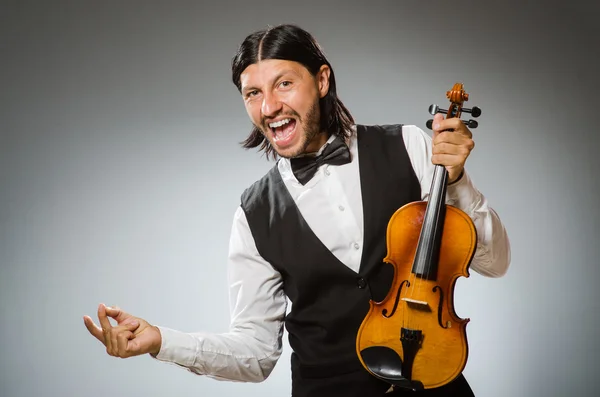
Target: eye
{"points": [[252, 93], [285, 84]]}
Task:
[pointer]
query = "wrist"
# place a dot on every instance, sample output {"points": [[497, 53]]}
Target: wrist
{"points": [[156, 346], [458, 178]]}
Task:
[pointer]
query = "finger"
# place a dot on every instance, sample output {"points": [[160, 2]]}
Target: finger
{"points": [[102, 317], [445, 148], [106, 326], [458, 126], [462, 129], [93, 328], [448, 137], [453, 138], [117, 334], [447, 160], [118, 314], [459, 149], [453, 124], [441, 124], [124, 348]]}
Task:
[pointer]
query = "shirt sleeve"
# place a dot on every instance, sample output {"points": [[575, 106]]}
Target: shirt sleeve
{"points": [[251, 348], [492, 256]]}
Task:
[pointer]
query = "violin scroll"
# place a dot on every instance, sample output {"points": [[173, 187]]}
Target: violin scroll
{"points": [[457, 96]]}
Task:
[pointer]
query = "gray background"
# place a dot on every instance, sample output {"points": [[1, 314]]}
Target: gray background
{"points": [[120, 171]]}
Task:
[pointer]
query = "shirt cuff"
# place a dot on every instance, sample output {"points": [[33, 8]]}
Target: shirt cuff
{"points": [[462, 194], [177, 347]]}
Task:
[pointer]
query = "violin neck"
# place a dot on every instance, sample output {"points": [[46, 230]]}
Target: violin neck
{"points": [[426, 259]]}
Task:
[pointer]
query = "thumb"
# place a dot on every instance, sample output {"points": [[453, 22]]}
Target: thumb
{"points": [[118, 314], [435, 126], [437, 118], [131, 324]]}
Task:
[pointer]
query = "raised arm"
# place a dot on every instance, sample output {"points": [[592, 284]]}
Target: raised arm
{"points": [[492, 257]]}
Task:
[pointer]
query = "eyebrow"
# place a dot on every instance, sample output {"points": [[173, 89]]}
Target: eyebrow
{"points": [[277, 77]]}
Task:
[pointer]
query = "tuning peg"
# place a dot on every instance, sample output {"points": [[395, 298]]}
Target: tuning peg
{"points": [[433, 109], [470, 123], [475, 111]]}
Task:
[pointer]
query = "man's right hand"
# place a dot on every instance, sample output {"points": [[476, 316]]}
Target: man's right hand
{"points": [[132, 336]]}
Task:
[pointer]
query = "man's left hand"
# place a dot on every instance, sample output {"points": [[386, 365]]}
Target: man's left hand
{"points": [[452, 144]]}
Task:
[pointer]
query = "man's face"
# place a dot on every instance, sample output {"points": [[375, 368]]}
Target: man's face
{"points": [[282, 100]]}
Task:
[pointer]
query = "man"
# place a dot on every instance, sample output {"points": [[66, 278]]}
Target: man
{"points": [[314, 231]]}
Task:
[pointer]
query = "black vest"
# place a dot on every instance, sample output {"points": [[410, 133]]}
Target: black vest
{"points": [[329, 300]]}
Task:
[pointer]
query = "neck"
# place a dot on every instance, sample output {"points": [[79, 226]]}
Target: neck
{"points": [[317, 142]]}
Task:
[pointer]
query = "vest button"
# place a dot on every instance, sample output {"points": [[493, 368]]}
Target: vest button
{"points": [[361, 283]]}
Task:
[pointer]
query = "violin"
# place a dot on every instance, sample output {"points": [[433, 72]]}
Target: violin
{"points": [[414, 339]]}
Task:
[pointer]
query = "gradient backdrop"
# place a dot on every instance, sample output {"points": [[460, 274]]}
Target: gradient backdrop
{"points": [[120, 171]]}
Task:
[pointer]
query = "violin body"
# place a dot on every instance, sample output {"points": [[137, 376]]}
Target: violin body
{"points": [[414, 339], [443, 351]]}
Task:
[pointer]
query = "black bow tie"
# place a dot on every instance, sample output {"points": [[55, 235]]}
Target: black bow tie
{"points": [[335, 153]]}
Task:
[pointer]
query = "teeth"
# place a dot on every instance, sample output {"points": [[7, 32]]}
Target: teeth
{"points": [[280, 137], [279, 123]]}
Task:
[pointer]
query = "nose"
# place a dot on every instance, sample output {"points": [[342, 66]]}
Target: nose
{"points": [[271, 105]]}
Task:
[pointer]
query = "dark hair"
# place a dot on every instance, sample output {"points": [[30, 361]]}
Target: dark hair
{"points": [[291, 43]]}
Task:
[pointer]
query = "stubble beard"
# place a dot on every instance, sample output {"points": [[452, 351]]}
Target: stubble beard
{"points": [[311, 126]]}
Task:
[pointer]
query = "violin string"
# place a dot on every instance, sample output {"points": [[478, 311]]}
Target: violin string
{"points": [[407, 293], [429, 233], [432, 222], [416, 282], [428, 237], [437, 223]]}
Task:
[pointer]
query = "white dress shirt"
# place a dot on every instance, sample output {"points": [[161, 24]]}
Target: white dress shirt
{"points": [[332, 206]]}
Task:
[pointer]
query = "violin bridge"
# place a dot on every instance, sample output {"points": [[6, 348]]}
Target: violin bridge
{"points": [[417, 304]]}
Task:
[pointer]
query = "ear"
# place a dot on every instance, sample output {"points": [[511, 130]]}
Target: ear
{"points": [[323, 80]]}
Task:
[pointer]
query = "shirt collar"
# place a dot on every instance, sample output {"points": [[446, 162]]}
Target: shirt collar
{"points": [[285, 167]]}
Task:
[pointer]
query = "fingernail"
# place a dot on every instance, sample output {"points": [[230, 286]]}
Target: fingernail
{"points": [[436, 126]]}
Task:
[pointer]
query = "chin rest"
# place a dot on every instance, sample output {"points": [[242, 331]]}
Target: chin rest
{"points": [[386, 364]]}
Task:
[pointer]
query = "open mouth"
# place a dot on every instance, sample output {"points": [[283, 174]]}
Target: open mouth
{"points": [[283, 131]]}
